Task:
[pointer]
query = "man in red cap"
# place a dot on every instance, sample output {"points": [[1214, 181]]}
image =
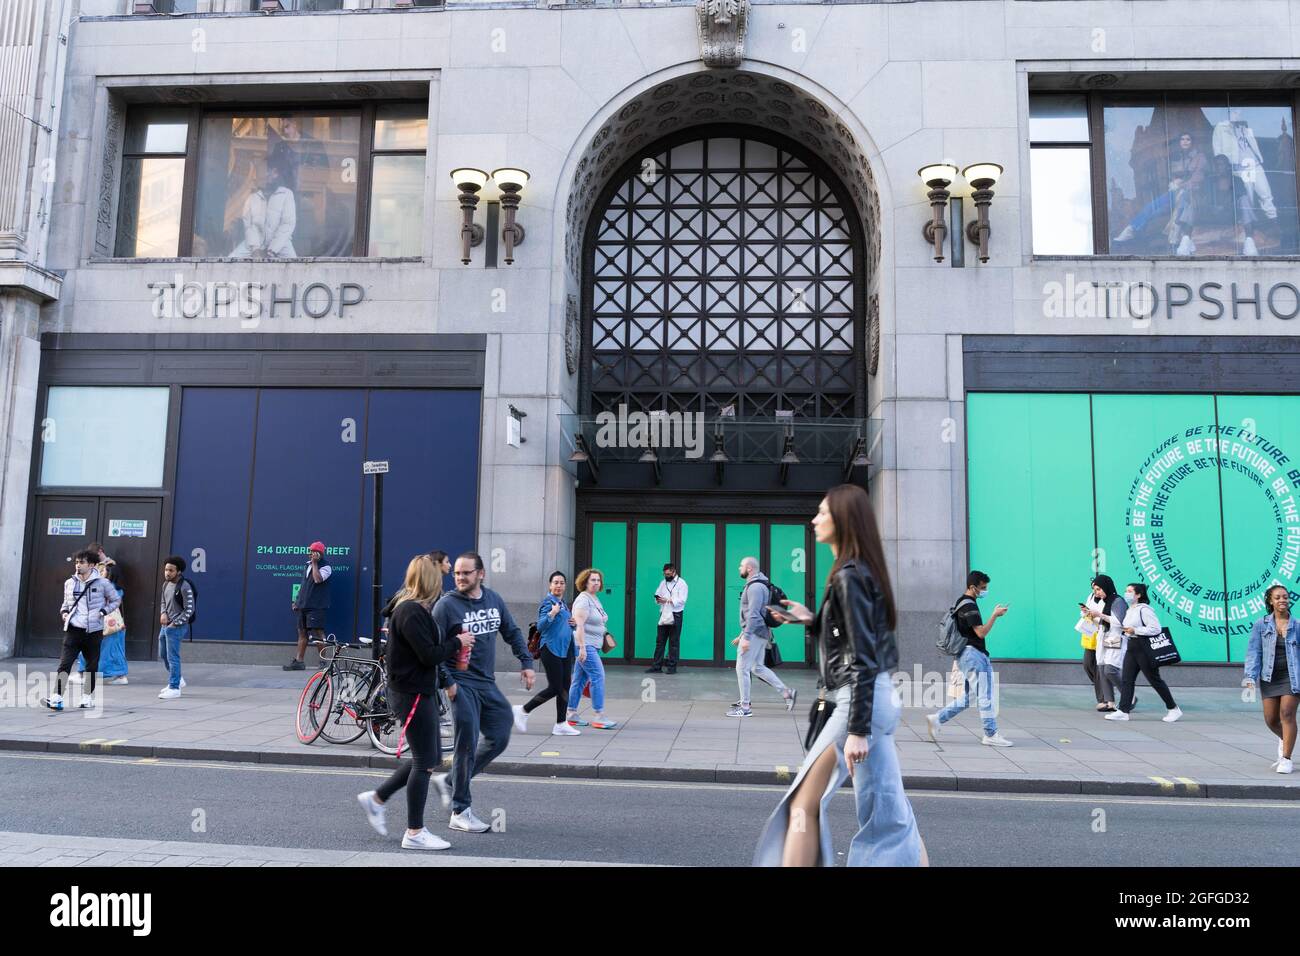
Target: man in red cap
{"points": [[312, 602]]}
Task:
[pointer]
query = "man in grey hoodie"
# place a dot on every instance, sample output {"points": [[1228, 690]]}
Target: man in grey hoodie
{"points": [[87, 599], [755, 637], [479, 704]]}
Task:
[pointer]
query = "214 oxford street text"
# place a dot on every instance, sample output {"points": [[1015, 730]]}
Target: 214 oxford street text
{"points": [[1142, 301], [250, 302]]}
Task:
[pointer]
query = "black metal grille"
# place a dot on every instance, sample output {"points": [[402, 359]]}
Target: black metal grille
{"points": [[724, 270]]}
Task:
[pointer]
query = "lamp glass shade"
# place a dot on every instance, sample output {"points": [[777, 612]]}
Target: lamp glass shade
{"points": [[937, 171], [982, 171], [469, 176], [510, 177]]}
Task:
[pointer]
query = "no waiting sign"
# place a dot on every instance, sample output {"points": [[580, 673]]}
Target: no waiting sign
{"points": [[374, 467]]}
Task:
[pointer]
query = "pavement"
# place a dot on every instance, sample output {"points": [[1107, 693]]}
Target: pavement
{"points": [[674, 728]]}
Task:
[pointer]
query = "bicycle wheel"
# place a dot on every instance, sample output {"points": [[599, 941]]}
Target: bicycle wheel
{"points": [[314, 706], [383, 725], [341, 724]]}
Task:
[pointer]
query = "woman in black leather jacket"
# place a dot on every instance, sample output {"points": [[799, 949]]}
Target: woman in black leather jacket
{"points": [[857, 654]]}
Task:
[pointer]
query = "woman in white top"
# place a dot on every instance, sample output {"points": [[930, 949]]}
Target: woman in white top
{"points": [[589, 618], [1140, 625], [1106, 610]]}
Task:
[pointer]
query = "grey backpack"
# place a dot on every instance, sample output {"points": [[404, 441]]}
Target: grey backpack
{"points": [[951, 640]]}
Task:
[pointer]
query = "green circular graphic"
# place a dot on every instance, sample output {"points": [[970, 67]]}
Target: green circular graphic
{"points": [[1252, 473]]}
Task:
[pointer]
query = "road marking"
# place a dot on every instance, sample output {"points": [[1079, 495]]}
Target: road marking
{"points": [[1164, 784], [782, 773], [1091, 799]]}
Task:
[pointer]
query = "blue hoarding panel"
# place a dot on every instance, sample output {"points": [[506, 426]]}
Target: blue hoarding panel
{"points": [[211, 515]]}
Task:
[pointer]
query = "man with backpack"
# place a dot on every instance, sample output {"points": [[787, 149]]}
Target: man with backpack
{"points": [[178, 613], [962, 633], [755, 638]]}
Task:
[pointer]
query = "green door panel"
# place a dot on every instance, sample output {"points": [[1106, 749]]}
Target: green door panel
{"points": [[609, 554], [653, 551], [788, 569], [700, 572]]}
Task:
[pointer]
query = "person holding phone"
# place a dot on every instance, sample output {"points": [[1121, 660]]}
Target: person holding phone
{"points": [[754, 640], [857, 653], [974, 662], [1139, 625], [312, 602]]}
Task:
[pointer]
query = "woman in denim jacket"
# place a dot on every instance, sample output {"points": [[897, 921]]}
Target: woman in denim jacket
{"points": [[1273, 662]]}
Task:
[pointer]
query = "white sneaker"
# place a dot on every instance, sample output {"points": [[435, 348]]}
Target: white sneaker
{"points": [[77, 677], [1248, 248], [465, 820], [521, 718], [424, 840], [1173, 715], [1285, 766], [87, 701], [997, 740], [169, 693], [117, 680], [564, 730], [439, 783], [1124, 236], [182, 683], [1187, 247], [932, 721], [54, 701], [374, 812], [1118, 715]]}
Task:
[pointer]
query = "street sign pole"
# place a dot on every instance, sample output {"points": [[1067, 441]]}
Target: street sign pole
{"points": [[378, 546], [378, 469]]}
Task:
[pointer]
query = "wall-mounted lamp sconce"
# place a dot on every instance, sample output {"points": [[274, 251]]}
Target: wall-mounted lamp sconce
{"points": [[511, 182], [982, 177], [937, 178], [469, 181], [515, 427]]}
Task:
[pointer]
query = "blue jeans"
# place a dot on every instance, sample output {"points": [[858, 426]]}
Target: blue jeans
{"points": [[979, 671], [592, 671], [169, 652]]}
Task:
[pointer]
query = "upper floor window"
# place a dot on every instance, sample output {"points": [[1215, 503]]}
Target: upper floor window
{"points": [[1164, 174], [288, 183]]}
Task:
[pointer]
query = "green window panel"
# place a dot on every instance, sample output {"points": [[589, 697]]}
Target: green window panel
{"points": [[1158, 510], [1029, 478], [653, 551], [788, 564], [1259, 460], [609, 554], [823, 559], [741, 540], [699, 570]]}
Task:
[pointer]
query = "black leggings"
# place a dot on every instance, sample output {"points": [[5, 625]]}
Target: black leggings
{"points": [[422, 739], [559, 672], [1138, 658], [78, 641]]}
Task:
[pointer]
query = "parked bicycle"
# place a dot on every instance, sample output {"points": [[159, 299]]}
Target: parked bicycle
{"points": [[334, 704]]}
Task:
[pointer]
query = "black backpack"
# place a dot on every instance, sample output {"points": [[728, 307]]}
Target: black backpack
{"points": [[776, 596]]}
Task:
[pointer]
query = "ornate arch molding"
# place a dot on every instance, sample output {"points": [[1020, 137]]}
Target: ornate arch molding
{"points": [[722, 96]]}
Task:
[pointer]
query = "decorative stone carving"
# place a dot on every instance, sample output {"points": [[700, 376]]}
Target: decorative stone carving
{"points": [[571, 334], [721, 25], [108, 177], [873, 333]]}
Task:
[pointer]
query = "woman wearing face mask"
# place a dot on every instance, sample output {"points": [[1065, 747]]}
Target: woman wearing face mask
{"points": [[1090, 638], [1140, 624], [1273, 662], [857, 653]]}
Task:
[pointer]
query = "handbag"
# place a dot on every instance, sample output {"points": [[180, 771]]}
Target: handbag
{"points": [[534, 641], [817, 717], [114, 623], [608, 643], [1163, 651], [666, 614], [772, 655]]}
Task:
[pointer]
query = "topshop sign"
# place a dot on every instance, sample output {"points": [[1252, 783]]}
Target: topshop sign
{"points": [[250, 302], [1143, 301]]}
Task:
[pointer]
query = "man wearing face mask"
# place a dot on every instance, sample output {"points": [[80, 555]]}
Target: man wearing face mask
{"points": [[974, 662]]}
